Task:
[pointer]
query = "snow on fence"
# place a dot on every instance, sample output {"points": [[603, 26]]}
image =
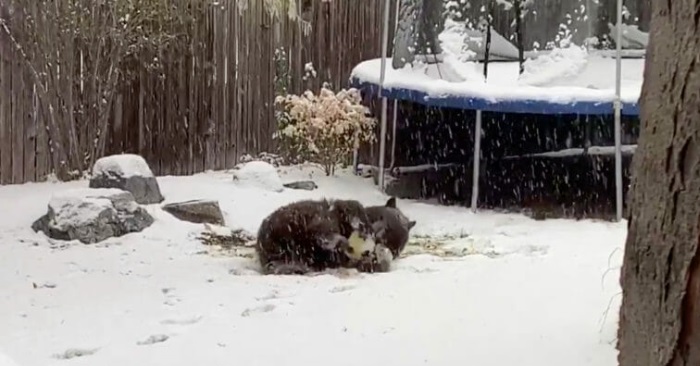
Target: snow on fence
{"points": [[207, 110]]}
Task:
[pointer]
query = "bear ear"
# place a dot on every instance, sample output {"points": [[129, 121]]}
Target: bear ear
{"points": [[391, 202], [411, 224]]}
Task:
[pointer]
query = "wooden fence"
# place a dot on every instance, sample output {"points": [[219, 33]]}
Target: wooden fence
{"points": [[188, 121]]}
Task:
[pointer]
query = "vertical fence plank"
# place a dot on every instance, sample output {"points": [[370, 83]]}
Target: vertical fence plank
{"points": [[30, 119], [230, 89], [262, 43], [17, 122], [197, 77], [222, 131], [210, 142], [253, 76], [233, 86], [244, 58], [5, 105], [43, 159], [267, 108], [219, 68]]}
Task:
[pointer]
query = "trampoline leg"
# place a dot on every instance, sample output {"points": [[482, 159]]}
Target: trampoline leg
{"points": [[477, 157], [382, 76], [355, 161], [618, 161], [393, 133], [382, 145]]}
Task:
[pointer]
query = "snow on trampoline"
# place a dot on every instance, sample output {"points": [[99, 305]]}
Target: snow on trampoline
{"points": [[565, 79], [561, 76]]}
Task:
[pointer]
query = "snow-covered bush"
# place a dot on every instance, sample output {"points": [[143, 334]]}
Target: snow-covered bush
{"points": [[323, 128]]}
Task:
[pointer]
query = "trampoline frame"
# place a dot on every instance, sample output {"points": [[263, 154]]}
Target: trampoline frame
{"points": [[481, 105]]}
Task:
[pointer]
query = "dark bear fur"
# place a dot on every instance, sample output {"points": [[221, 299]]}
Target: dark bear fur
{"points": [[395, 226], [309, 235]]}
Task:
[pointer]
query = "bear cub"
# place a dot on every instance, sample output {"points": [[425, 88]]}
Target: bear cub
{"points": [[392, 225], [308, 236]]}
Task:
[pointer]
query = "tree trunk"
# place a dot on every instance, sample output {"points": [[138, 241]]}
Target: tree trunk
{"points": [[660, 313]]}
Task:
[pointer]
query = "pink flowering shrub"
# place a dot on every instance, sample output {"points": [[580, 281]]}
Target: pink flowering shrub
{"points": [[323, 128]]}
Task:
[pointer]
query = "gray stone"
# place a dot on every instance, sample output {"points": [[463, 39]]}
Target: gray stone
{"points": [[308, 185], [197, 211], [92, 215], [127, 172]]}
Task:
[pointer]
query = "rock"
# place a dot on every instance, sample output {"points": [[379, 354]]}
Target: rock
{"points": [[128, 172], [197, 211], [92, 215], [259, 174], [304, 184]]}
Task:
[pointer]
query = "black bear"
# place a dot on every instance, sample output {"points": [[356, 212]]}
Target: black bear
{"points": [[307, 236], [391, 225]]}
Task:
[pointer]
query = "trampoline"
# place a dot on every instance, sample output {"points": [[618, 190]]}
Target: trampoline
{"points": [[570, 79]]}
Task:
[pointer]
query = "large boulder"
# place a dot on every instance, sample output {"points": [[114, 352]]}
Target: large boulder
{"points": [[258, 174], [128, 172], [92, 215], [197, 211]]}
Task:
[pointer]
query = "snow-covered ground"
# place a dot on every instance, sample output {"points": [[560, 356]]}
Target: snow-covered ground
{"points": [[473, 289]]}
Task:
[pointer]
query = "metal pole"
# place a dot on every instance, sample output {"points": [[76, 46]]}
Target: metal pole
{"points": [[355, 160], [393, 133], [382, 76], [618, 113], [396, 101], [477, 157]]}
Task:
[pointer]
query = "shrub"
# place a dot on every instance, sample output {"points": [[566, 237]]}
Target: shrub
{"points": [[323, 128]]}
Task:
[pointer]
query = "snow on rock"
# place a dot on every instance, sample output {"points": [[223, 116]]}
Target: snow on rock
{"points": [[128, 172], [259, 174], [197, 211], [125, 165], [92, 215]]}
